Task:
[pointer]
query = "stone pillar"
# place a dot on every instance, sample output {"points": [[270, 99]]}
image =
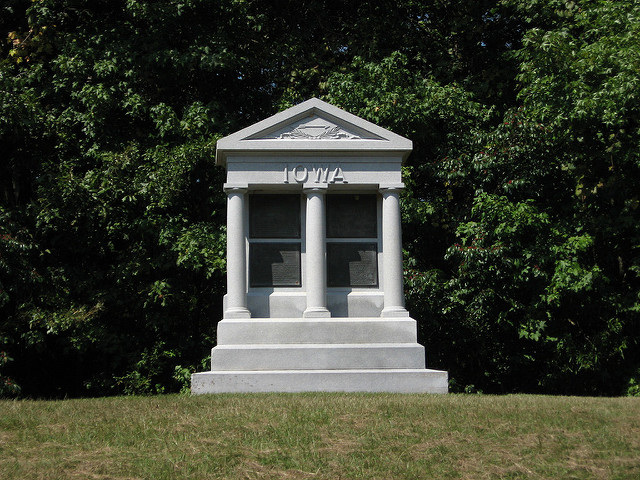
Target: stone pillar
{"points": [[316, 262], [392, 254], [236, 302]]}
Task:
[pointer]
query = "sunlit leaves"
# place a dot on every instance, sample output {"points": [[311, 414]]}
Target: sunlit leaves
{"points": [[520, 214]]}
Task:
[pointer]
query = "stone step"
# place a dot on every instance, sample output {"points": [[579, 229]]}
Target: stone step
{"points": [[317, 356], [326, 330], [368, 380]]}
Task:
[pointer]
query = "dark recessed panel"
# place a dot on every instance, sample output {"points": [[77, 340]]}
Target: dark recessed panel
{"points": [[352, 265], [274, 216], [274, 265], [352, 216]]}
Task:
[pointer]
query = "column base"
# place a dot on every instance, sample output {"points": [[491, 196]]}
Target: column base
{"points": [[237, 313], [394, 312], [316, 312]]}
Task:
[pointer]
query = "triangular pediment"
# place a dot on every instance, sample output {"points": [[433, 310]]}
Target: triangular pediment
{"points": [[316, 127], [312, 126]]}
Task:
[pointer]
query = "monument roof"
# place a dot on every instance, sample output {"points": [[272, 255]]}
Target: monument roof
{"points": [[313, 126]]}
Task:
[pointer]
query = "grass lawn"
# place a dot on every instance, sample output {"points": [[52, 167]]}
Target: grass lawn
{"points": [[321, 436]]}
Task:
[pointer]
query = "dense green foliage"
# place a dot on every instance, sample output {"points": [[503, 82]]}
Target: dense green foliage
{"points": [[521, 218]]}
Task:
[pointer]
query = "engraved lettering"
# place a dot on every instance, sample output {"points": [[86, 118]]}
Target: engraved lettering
{"points": [[321, 174], [300, 173], [337, 176], [318, 174]]}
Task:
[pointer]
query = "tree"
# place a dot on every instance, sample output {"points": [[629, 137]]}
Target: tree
{"points": [[521, 224], [520, 213]]}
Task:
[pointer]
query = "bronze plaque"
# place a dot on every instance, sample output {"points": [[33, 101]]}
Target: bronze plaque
{"points": [[274, 265], [352, 265], [274, 216], [352, 216]]}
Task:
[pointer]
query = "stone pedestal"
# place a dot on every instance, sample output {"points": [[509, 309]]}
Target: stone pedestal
{"points": [[293, 381], [315, 296], [325, 354]]}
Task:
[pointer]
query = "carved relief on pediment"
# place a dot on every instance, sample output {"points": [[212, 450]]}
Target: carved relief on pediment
{"points": [[318, 132], [315, 127]]}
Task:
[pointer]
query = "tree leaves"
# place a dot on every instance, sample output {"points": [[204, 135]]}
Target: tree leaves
{"points": [[520, 214]]}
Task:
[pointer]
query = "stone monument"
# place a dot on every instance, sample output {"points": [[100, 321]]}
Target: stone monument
{"points": [[315, 299]]}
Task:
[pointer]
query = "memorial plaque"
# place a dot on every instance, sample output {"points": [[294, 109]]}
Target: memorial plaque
{"points": [[274, 265], [274, 216], [352, 265], [352, 216]]}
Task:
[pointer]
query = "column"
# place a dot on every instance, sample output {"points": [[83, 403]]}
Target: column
{"points": [[315, 256], [392, 254], [236, 301]]}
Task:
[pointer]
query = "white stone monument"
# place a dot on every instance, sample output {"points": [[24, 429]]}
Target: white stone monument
{"points": [[314, 297]]}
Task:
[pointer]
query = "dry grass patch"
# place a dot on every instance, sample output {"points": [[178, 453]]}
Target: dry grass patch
{"points": [[321, 436]]}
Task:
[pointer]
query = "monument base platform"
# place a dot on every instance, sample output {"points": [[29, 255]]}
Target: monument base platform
{"points": [[366, 354], [292, 381]]}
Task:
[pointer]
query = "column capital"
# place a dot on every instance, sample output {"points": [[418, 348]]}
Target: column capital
{"points": [[229, 188], [315, 189], [394, 188]]}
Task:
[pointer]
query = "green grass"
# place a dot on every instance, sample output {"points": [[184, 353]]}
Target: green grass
{"points": [[321, 436]]}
